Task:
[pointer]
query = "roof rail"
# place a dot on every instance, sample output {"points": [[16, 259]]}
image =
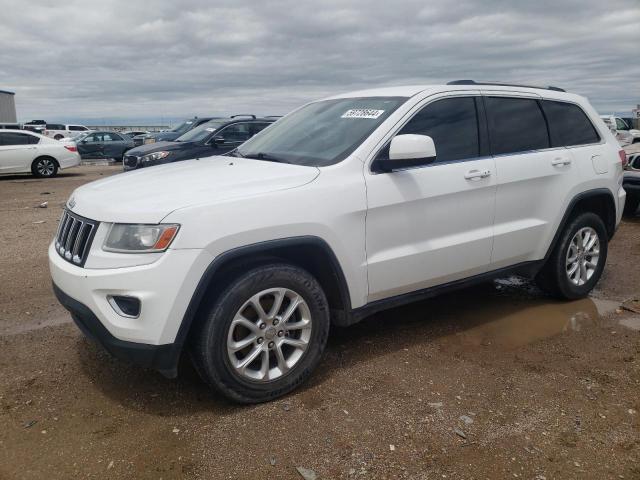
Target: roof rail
{"points": [[497, 84], [243, 115], [273, 116]]}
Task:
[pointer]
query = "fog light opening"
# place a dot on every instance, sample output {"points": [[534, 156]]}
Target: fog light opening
{"points": [[125, 306]]}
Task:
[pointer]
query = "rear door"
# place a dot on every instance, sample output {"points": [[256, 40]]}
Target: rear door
{"points": [[433, 224], [17, 151], [533, 176]]}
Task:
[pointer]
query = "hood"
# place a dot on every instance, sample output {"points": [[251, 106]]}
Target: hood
{"points": [[150, 194], [156, 147]]}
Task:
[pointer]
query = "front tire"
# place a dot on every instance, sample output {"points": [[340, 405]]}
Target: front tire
{"points": [[263, 335], [44, 167], [577, 261]]}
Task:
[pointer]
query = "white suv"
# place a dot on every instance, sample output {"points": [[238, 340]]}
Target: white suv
{"points": [[344, 207], [59, 131]]}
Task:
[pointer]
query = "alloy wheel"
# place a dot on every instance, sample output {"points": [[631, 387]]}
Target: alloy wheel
{"points": [[45, 167], [582, 256], [269, 335]]}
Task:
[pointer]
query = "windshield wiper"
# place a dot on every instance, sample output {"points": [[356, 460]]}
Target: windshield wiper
{"points": [[234, 153], [268, 157]]}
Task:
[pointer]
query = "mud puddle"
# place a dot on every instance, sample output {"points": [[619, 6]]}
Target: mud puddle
{"points": [[510, 313]]}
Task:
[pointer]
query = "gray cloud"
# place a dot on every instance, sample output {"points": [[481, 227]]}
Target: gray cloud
{"points": [[134, 60]]}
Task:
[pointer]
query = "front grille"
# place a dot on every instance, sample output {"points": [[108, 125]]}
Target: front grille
{"points": [[130, 161], [74, 237]]}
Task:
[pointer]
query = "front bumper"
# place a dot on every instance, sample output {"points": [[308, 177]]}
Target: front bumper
{"points": [[163, 358], [164, 287]]}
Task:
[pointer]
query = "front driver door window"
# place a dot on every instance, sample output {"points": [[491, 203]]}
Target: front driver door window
{"points": [[431, 225]]}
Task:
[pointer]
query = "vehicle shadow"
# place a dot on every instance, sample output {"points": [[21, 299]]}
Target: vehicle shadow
{"points": [[29, 178], [506, 314]]}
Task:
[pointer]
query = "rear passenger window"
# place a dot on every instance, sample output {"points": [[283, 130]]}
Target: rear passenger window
{"points": [[453, 125], [515, 125], [568, 124]]}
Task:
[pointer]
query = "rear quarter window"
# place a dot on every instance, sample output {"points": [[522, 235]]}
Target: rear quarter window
{"points": [[568, 124], [516, 125]]}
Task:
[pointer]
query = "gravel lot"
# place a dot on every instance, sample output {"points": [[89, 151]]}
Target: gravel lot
{"points": [[491, 382]]}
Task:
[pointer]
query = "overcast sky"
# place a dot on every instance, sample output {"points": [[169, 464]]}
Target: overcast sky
{"points": [[134, 60]]}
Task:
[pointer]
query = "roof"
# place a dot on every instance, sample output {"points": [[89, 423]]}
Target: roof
{"points": [[7, 92], [411, 90]]}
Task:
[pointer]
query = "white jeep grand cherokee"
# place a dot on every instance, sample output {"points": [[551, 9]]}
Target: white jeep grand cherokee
{"points": [[346, 206]]}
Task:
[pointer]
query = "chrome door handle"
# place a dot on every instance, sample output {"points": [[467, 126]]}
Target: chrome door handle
{"points": [[471, 174], [559, 161]]}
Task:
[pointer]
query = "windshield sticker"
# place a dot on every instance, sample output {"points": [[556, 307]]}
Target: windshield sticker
{"points": [[362, 113]]}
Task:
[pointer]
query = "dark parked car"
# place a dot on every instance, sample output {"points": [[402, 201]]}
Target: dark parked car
{"points": [[175, 132], [214, 137], [103, 145]]}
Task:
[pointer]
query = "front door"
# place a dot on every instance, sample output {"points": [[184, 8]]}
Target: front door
{"points": [[432, 225], [91, 146]]}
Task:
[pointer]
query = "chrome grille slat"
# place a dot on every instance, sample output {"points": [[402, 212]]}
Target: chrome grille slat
{"points": [[74, 236]]}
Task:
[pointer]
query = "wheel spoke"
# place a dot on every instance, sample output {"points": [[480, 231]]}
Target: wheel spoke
{"points": [[244, 343], [583, 272], [294, 342], [251, 356], [255, 304], [295, 302], [300, 325], [278, 298], [573, 269], [282, 363], [240, 320]]}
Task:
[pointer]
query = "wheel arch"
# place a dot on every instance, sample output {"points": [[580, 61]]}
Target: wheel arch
{"points": [[308, 252], [599, 201]]}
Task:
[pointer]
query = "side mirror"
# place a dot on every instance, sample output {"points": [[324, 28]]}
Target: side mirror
{"points": [[408, 150], [218, 141]]}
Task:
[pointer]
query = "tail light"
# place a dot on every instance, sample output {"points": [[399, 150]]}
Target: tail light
{"points": [[71, 148], [623, 158]]}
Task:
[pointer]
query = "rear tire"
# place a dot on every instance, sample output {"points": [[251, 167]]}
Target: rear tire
{"points": [[631, 205], [44, 167], [253, 356], [577, 261], [58, 137]]}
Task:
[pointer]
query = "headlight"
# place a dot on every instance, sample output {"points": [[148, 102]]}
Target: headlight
{"points": [[152, 157], [133, 238]]}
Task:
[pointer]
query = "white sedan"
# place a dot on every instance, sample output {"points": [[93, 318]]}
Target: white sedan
{"points": [[25, 151]]}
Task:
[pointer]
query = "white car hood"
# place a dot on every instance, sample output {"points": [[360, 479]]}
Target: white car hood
{"points": [[150, 194]]}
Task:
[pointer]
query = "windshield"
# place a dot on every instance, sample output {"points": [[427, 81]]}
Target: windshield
{"points": [[201, 132], [183, 127], [81, 136], [321, 133]]}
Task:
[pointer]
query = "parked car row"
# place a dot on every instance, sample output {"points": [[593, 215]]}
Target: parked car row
{"points": [[213, 137], [621, 129]]}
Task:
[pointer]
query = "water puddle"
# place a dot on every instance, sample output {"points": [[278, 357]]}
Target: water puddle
{"points": [[512, 312]]}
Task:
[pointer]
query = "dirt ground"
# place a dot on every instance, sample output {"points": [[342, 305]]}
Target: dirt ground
{"points": [[496, 381]]}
